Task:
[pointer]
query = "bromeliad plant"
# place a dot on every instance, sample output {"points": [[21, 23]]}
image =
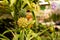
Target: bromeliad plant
{"points": [[24, 29]]}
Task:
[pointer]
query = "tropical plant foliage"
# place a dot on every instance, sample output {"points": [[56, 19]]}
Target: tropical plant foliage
{"points": [[24, 29]]}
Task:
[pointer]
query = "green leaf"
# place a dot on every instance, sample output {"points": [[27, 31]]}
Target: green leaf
{"points": [[16, 36], [4, 37], [21, 37], [12, 2]]}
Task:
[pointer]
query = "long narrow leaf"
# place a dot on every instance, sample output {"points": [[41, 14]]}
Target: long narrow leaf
{"points": [[4, 37]]}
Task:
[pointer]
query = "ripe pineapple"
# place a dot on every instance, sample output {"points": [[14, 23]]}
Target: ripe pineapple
{"points": [[22, 22]]}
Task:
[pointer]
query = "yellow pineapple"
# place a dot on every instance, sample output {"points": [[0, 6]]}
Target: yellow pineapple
{"points": [[22, 22]]}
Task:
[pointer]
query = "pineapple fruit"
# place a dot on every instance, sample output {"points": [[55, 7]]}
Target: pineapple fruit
{"points": [[22, 22]]}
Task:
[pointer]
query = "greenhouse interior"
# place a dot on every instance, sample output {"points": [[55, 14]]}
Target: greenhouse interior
{"points": [[29, 19]]}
